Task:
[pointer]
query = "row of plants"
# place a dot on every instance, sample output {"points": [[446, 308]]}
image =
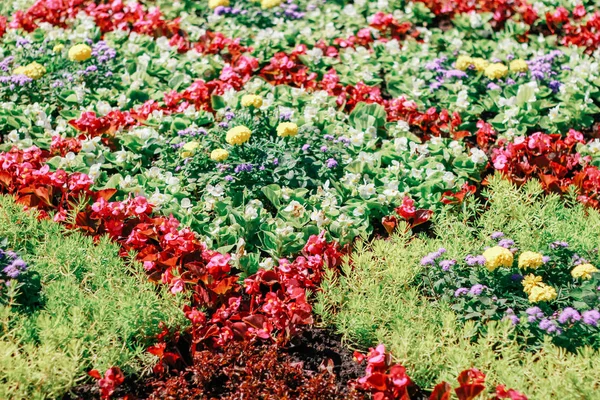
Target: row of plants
{"points": [[237, 152]]}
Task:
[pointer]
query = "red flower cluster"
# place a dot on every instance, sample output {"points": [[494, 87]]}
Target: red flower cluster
{"points": [[54, 12], [472, 384], [113, 378], [390, 28], [553, 160], [384, 380], [409, 213], [573, 29], [501, 9]]}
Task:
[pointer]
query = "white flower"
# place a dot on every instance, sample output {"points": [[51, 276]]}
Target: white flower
{"points": [[284, 231], [295, 209], [366, 191], [320, 218], [478, 156], [594, 146], [216, 191], [250, 212], [267, 263], [554, 113]]}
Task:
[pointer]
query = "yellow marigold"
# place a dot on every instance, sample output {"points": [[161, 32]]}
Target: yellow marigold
{"points": [[286, 129], [58, 48], [496, 257], [219, 155], [518, 65], [530, 259], [33, 70], [238, 135], [463, 62], [496, 71], [530, 281], [583, 271], [80, 52], [212, 4], [480, 64], [265, 4], [252, 100], [542, 293], [189, 149]]}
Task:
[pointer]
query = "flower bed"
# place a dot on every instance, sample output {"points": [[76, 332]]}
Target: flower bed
{"points": [[239, 149]]}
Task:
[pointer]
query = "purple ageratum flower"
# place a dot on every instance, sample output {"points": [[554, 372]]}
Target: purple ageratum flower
{"points": [[493, 86], [22, 42], [549, 326], [447, 264], [475, 260], [229, 115], [554, 86], [276, 161], [460, 292], [497, 235], [324, 149], [331, 163], [558, 244], [516, 277], [428, 260], [305, 147], [545, 259], [569, 315], [506, 243], [477, 289], [455, 73], [591, 317], [243, 168], [223, 124], [328, 137], [534, 314], [285, 115], [510, 314], [229, 178]]}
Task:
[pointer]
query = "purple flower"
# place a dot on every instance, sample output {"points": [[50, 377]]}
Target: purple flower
{"points": [[328, 137], [447, 264], [460, 292], [559, 244], [555, 86], [331, 163], [591, 317], [305, 147], [493, 86], [324, 149], [510, 314], [276, 161], [534, 314], [455, 73], [506, 243], [473, 260], [568, 315], [229, 178], [497, 235], [285, 115], [428, 260], [477, 289]]}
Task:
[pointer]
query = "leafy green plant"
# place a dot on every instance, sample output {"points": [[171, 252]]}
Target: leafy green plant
{"points": [[379, 297], [94, 311]]}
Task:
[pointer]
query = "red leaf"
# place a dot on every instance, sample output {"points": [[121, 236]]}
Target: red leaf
{"points": [[95, 374], [469, 392]]}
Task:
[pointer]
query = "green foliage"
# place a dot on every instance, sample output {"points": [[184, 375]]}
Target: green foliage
{"points": [[94, 310], [378, 297]]}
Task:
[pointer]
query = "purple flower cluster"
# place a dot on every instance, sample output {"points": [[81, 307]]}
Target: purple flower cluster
{"points": [[550, 326], [430, 258], [534, 314], [290, 10], [558, 244], [243, 168], [192, 132], [497, 235], [541, 66], [475, 290], [5, 64], [15, 80], [591, 317], [569, 315], [103, 52], [506, 243], [220, 10], [510, 314], [331, 163], [475, 260], [447, 264], [13, 265]]}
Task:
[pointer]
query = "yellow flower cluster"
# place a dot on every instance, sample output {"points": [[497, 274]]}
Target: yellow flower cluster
{"points": [[33, 70], [212, 4], [286, 129], [238, 135], [530, 259], [496, 71], [542, 292], [583, 271], [252, 100], [189, 149], [518, 65], [496, 257], [464, 62], [265, 4], [80, 52], [219, 155], [58, 48], [537, 290]]}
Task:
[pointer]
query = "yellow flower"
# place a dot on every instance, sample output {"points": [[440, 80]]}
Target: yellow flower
{"points": [[583, 271], [212, 4], [33, 70], [496, 71], [219, 155], [238, 135], [80, 52], [496, 257], [530, 259], [480, 64], [463, 62], [530, 281], [269, 3], [542, 292], [58, 48], [189, 149], [518, 65], [252, 100], [286, 129]]}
